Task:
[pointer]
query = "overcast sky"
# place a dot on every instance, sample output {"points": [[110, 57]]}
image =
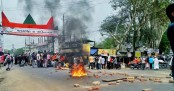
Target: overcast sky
{"points": [[15, 13]]}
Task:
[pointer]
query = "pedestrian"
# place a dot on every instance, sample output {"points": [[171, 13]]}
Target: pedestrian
{"points": [[100, 62], [151, 60], [49, 60], [170, 64], [156, 63], [143, 62], [38, 60], [103, 63], [33, 59], [8, 61], [1, 60], [91, 62], [170, 31], [45, 61], [108, 62]]}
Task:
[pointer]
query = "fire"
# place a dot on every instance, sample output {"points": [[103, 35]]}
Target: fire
{"points": [[78, 70]]}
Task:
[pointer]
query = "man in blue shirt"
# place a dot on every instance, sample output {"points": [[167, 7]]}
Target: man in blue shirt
{"points": [[151, 61]]}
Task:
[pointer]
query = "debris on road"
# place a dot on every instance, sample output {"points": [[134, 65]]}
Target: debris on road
{"points": [[111, 80], [112, 83], [95, 88], [131, 79], [171, 81], [96, 83], [147, 90], [76, 85]]}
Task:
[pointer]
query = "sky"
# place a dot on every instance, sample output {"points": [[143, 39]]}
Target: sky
{"points": [[14, 11]]}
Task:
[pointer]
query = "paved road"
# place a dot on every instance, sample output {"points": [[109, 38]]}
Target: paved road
{"points": [[60, 80]]}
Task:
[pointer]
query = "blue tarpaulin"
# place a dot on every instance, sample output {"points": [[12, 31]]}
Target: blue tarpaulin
{"points": [[93, 51]]}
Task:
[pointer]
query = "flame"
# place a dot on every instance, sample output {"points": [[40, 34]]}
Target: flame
{"points": [[78, 70]]}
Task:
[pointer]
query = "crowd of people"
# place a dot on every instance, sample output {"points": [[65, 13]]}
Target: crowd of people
{"points": [[151, 62], [104, 62], [39, 60], [46, 59]]}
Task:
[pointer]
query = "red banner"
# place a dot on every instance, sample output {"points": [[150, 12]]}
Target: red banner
{"points": [[7, 23]]}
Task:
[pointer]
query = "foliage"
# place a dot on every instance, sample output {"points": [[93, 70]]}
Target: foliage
{"points": [[19, 51], [106, 44], [145, 19], [164, 44]]}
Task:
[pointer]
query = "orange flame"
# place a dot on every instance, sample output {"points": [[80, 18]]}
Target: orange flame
{"points": [[78, 70]]}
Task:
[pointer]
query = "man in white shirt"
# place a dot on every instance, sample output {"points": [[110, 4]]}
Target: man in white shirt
{"points": [[100, 62], [103, 63], [108, 62]]}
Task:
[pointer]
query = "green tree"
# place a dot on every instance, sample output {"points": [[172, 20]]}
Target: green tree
{"points": [[145, 19], [106, 44], [164, 44], [19, 51]]}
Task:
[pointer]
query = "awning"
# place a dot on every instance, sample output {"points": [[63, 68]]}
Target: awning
{"points": [[93, 51]]}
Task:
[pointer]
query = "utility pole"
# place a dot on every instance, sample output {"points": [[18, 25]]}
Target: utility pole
{"points": [[63, 26]]}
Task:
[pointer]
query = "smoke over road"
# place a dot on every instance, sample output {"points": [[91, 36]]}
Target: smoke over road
{"points": [[78, 13]]}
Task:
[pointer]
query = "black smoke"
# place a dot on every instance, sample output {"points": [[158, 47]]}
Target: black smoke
{"points": [[79, 15]]}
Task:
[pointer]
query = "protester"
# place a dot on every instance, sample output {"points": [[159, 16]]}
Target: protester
{"points": [[103, 63], [151, 60], [45, 61], [38, 60], [100, 62], [108, 62], [170, 31], [143, 62], [156, 63], [91, 62], [8, 62]]}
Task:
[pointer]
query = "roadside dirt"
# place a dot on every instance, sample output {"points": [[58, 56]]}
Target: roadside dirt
{"points": [[16, 80]]}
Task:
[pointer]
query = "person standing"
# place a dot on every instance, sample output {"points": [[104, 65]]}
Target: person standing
{"points": [[8, 61], [156, 63], [100, 62], [38, 60], [103, 63], [108, 62], [49, 60], [143, 62], [45, 61], [33, 59], [170, 31], [91, 62], [151, 60]]}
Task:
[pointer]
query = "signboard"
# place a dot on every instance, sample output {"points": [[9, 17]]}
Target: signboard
{"points": [[86, 49], [28, 32], [137, 54], [106, 52]]}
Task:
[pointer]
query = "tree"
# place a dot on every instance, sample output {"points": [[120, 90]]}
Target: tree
{"points": [[106, 44], [164, 44], [145, 19], [113, 28], [19, 51]]}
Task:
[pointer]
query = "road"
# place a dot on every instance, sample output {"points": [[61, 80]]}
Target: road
{"points": [[48, 79]]}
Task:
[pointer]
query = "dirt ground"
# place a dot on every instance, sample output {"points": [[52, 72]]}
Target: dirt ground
{"points": [[29, 79], [16, 80]]}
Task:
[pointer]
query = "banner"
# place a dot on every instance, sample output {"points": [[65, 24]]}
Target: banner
{"points": [[137, 54], [28, 32], [106, 52], [86, 49]]}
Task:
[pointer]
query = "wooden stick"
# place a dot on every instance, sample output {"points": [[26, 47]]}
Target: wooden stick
{"points": [[111, 80]]}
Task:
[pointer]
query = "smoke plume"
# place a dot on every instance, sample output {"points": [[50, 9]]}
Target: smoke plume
{"points": [[79, 15], [28, 6]]}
